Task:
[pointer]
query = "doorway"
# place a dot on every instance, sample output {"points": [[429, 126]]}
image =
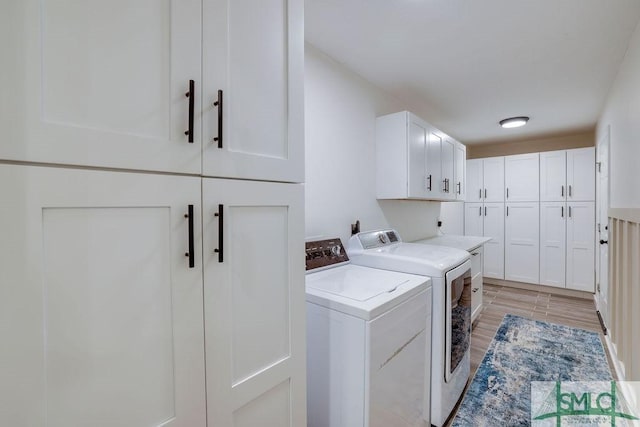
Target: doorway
{"points": [[602, 224]]}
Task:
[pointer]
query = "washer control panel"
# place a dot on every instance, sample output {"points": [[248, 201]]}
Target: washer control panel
{"points": [[324, 253], [375, 239]]}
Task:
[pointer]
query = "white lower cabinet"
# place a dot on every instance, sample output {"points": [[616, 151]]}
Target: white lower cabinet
{"points": [[101, 303], [522, 242], [487, 220], [567, 245], [494, 249], [553, 226], [580, 246], [254, 303], [101, 318], [476, 282]]}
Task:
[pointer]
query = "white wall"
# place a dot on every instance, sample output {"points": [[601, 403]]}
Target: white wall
{"points": [[340, 112], [622, 113]]}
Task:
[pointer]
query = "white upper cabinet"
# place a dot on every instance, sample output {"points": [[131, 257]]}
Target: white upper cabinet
{"points": [[567, 175], [100, 87], [553, 176], [413, 159], [581, 170], [485, 180], [105, 310], [475, 184], [447, 156], [522, 178], [493, 179], [132, 85], [522, 242], [460, 166], [252, 92], [436, 184]]}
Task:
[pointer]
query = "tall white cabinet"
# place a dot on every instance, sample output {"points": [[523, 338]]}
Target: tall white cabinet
{"points": [[485, 180], [567, 219], [122, 289]]}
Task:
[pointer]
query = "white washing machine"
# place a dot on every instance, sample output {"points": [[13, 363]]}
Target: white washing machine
{"points": [[367, 340], [450, 273]]}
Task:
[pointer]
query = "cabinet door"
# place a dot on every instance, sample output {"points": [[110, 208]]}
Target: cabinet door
{"points": [[419, 185], [522, 242], [553, 176], [253, 51], [476, 283], [553, 224], [581, 170], [493, 179], [254, 303], [475, 186], [102, 83], [460, 170], [473, 219], [522, 178], [101, 312], [436, 188], [494, 248], [580, 246], [447, 155]]}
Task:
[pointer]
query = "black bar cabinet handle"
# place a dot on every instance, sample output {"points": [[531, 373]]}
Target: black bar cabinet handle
{"points": [[562, 191], [480, 194], [569, 211], [569, 190], [191, 253], [507, 192], [485, 211], [480, 211], [507, 210], [429, 179], [485, 193], [220, 106], [459, 187], [220, 249], [562, 211], [192, 96]]}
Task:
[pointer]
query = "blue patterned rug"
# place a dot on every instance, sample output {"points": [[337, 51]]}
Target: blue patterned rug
{"points": [[523, 351]]}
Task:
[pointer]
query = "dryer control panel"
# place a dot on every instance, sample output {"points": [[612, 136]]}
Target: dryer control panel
{"points": [[375, 239], [325, 253]]}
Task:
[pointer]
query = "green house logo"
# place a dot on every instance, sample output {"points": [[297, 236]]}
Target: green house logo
{"points": [[606, 403]]}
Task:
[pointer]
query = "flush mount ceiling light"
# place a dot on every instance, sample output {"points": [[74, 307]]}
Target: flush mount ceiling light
{"points": [[514, 122]]}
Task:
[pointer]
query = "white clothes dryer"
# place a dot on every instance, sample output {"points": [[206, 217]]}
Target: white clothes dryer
{"points": [[450, 273], [366, 342]]}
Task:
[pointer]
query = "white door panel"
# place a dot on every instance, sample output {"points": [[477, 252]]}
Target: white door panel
{"points": [[602, 232], [253, 51], [473, 219], [434, 166], [580, 246], [254, 302], [459, 186], [102, 315], [475, 184], [553, 176], [553, 223], [419, 183], [447, 156], [494, 249], [581, 174], [522, 178], [493, 179], [522, 242], [102, 87]]}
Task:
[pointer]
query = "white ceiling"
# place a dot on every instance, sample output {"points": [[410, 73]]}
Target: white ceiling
{"points": [[471, 63]]}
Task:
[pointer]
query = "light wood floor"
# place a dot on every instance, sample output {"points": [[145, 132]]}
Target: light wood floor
{"points": [[501, 300]]}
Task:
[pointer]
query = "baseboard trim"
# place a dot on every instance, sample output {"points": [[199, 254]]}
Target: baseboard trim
{"points": [[539, 288], [618, 366]]}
